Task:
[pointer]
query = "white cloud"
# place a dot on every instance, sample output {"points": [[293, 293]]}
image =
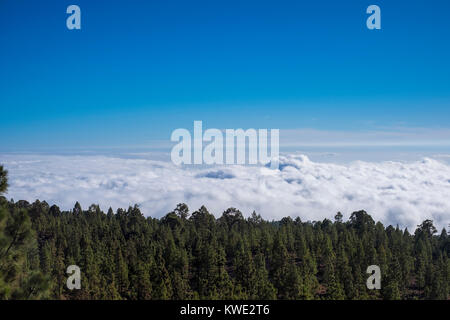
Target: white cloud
{"points": [[393, 192]]}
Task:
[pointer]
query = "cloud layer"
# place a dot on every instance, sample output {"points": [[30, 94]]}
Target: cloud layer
{"points": [[392, 192]]}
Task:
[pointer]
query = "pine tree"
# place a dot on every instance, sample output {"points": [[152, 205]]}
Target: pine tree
{"points": [[3, 180], [17, 239], [264, 289]]}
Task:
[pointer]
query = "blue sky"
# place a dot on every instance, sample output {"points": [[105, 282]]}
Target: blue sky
{"points": [[139, 69]]}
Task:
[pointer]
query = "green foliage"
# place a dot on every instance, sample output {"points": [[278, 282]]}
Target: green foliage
{"points": [[124, 255], [3, 180], [19, 275]]}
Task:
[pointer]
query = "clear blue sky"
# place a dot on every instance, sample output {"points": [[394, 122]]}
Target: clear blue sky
{"points": [[139, 69]]}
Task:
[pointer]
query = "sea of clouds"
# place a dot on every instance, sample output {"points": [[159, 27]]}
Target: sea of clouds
{"points": [[403, 193]]}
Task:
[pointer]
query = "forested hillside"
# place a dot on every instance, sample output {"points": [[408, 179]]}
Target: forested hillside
{"points": [[124, 255]]}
